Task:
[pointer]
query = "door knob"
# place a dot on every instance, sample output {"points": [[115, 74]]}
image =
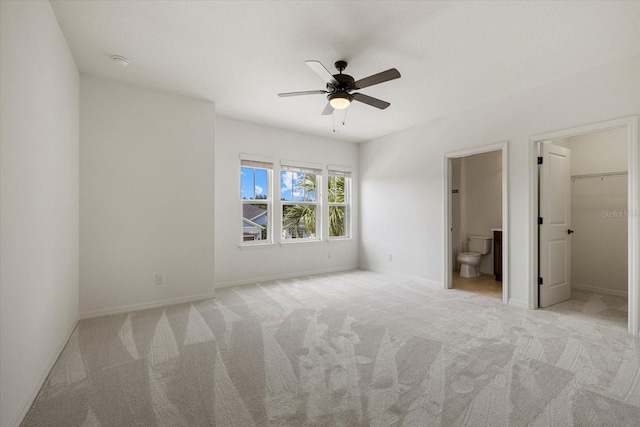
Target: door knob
{"points": [[570, 231]]}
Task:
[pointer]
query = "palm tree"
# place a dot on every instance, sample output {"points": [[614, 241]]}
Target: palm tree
{"points": [[336, 213], [300, 218]]}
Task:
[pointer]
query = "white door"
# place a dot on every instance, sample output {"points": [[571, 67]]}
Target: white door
{"points": [[555, 229]]}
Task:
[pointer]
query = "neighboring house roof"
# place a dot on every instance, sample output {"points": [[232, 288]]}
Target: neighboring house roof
{"points": [[251, 212], [249, 223]]}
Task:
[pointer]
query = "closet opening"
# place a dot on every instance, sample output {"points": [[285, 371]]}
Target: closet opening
{"points": [[585, 207]]}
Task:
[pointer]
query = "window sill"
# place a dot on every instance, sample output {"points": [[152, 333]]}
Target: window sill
{"points": [[294, 242], [255, 245], [340, 239]]}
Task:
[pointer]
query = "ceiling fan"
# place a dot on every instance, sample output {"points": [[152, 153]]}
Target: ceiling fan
{"points": [[340, 87]]}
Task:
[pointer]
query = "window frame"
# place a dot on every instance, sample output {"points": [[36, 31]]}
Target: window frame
{"points": [[298, 167], [340, 172], [268, 166]]}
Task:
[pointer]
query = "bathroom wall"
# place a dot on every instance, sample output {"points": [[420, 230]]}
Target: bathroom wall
{"points": [[598, 212], [481, 200]]}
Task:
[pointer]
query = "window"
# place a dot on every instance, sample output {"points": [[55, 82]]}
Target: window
{"points": [[300, 202], [339, 191], [255, 193]]}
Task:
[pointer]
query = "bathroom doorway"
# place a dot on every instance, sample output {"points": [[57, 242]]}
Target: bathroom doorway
{"points": [[476, 237], [585, 185]]}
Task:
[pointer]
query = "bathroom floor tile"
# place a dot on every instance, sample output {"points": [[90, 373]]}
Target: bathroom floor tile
{"points": [[484, 284]]}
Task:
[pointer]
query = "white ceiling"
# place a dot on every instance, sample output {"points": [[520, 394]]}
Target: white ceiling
{"points": [[240, 54]]}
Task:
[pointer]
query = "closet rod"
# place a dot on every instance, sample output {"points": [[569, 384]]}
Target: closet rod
{"points": [[598, 175]]}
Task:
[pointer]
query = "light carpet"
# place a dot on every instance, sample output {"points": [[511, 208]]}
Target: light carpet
{"points": [[349, 349]]}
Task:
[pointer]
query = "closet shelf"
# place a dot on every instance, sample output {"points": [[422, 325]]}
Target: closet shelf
{"points": [[598, 175]]}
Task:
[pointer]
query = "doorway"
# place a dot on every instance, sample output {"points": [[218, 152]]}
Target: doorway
{"points": [[458, 230], [584, 229]]}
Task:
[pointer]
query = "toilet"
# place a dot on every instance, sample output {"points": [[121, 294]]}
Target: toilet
{"points": [[469, 261]]}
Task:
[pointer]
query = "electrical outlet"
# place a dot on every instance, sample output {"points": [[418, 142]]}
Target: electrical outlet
{"points": [[159, 279]]}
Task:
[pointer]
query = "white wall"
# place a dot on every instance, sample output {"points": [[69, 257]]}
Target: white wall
{"points": [[599, 152], [599, 245], [146, 197], [401, 175], [482, 200], [236, 265], [39, 201]]}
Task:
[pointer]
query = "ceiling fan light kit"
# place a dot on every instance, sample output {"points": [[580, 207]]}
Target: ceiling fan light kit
{"points": [[340, 100], [339, 87]]}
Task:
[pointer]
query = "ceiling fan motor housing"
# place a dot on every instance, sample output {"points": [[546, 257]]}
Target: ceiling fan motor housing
{"points": [[340, 94], [345, 81]]}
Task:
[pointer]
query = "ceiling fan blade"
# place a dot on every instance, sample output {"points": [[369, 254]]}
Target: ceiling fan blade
{"points": [[321, 71], [328, 110], [374, 102], [382, 77], [306, 92]]}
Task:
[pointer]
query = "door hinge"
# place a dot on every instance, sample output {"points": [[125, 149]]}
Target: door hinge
{"points": [[539, 220], [539, 160], [539, 280]]}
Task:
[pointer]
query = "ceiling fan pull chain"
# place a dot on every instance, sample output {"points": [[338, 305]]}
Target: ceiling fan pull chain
{"points": [[333, 120], [344, 120]]}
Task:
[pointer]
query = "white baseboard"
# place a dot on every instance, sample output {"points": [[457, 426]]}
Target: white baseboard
{"points": [[28, 400], [170, 301], [143, 306], [598, 290], [431, 283], [284, 276]]}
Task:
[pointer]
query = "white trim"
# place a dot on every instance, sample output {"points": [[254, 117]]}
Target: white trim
{"points": [[255, 164], [634, 227], [303, 165], [300, 240], [340, 168], [631, 123], [143, 306], [448, 220], [259, 244], [476, 150], [599, 290], [257, 158], [504, 148], [298, 202], [284, 276], [31, 395], [533, 223], [340, 239]]}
